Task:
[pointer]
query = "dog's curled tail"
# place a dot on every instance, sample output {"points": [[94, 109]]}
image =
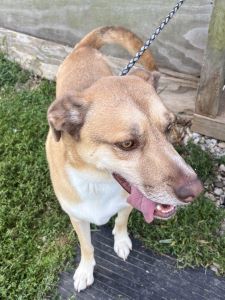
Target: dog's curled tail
{"points": [[120, 36]]}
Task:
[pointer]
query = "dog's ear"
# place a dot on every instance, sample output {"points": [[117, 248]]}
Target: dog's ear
{"points": [[150, 76], [67, 114]]}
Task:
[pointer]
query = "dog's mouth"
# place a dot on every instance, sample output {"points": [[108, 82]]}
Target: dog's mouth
{"points": [[149, 208]]}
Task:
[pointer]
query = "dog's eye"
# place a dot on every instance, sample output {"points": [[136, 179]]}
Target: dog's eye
{"points": [[127, 145]]}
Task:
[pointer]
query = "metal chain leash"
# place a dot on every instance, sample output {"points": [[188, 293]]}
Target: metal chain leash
{"points": [[138, 55]]}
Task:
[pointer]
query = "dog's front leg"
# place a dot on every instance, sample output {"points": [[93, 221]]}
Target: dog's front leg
{"points": [[122, 242], [83, 276]]}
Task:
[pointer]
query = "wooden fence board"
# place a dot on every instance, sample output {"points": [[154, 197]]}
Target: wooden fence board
{"points": [[179, 47], [209, 127], [210, 104], [43, 57], [213, 71]]}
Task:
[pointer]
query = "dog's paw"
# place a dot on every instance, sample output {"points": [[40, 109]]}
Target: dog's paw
{"points": [[122, 245], [83, 276]]}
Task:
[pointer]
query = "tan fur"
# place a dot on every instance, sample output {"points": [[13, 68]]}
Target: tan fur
{"points": [[122, 220], [121, 36], [94, 112]]}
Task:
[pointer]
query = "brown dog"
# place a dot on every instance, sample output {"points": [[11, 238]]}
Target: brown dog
{"points": [[106, 130]]}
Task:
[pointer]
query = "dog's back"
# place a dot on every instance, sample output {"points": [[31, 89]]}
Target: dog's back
{"points": [[86, 64]]}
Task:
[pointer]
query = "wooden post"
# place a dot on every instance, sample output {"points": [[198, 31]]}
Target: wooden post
{"points": [[210, 102]]}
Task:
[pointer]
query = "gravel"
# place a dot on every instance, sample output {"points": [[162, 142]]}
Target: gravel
{"points": [[217, 148]]}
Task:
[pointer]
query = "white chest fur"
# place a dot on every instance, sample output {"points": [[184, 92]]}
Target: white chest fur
{"points": [[101, 197]]}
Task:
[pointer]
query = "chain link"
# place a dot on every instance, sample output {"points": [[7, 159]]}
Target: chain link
{"points": [[138, 55]]}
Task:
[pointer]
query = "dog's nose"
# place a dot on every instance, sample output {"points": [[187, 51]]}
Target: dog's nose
{"points": [[188, 191]]}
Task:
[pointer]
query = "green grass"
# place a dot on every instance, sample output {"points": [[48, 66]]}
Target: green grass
{"points": [[36, 236], [221, 160]]}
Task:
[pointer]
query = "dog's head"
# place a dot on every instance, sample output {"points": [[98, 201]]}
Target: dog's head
{"points": [[120, 124]]}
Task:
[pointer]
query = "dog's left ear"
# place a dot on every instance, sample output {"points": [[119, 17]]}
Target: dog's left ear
{"points": [[150, 76], [67, 114]]}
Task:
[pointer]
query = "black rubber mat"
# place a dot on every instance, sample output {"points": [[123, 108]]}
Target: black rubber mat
{"points": [[144, 275]]}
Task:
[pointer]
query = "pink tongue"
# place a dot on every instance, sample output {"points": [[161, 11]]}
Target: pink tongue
{"points": [[138, 201]]}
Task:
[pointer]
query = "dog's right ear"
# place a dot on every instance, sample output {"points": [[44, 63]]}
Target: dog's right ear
{"points": [[67, 115]]}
